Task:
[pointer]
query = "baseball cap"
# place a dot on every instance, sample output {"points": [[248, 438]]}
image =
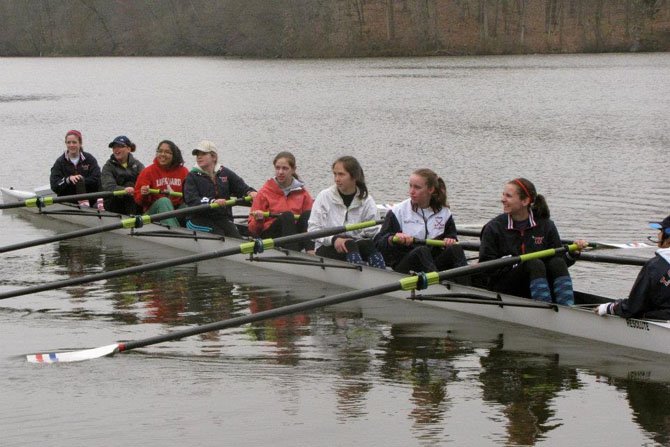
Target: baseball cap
{"points": [[205, 146]]}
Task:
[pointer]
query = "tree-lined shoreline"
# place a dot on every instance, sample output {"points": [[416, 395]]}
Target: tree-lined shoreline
{"points": [[330, 28]]}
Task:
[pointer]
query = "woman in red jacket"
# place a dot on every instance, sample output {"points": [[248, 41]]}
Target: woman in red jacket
{"points": [[278, 202], [166, 173]]}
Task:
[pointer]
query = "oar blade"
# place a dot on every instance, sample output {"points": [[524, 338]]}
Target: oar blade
{"points": [[616, 245], [73, 356]]}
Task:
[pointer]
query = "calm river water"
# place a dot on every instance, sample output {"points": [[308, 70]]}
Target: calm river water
{"points": [[590, 130]]}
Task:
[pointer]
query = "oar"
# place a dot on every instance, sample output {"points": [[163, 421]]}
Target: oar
{"points": [[245, 248], [131, 222], [407, 283], [265, 214], [594, 245], [467, 245], [166, 192], [584, 256], [611, 259], [40, 202]]}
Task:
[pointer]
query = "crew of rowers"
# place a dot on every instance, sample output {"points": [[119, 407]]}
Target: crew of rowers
{"points": [[283, 206]]}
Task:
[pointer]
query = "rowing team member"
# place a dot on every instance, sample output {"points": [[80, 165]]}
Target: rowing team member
{"points": [[650, 295], [76, 171], [525, 227], [424, 215], [205, 185], [120, 172], [283, 204]]}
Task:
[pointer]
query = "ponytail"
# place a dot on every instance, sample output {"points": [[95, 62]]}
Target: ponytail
{"points": [[538, 204]]}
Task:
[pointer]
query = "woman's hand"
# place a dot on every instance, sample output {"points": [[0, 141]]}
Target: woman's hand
{"points": [[130, 190], [581, 244], [144, 190], [448, 241], [74, 179], [402, 239], [220, 202], [340, 245], [252, 194], [258, 215]]}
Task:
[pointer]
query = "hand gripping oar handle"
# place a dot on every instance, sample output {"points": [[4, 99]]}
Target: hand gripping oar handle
{"points": [[40, 202], [131, 222], [166, 192], [245, 248], [408, 283], [269, 214]]}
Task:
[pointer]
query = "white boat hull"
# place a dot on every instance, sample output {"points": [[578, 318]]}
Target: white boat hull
{"points": [[573, 321]]}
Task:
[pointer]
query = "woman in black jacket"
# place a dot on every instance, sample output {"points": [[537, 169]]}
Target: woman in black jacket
{"points": [[76, 171], [204, 185], [525, 227], [120, 173]]}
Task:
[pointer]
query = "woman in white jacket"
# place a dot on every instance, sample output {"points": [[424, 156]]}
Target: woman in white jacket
{"points": [[346, 202]]}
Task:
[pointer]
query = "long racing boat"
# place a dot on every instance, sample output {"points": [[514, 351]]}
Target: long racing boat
{"points": [[578, 321]]}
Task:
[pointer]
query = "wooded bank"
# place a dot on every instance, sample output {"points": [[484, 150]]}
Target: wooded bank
{"points": [[330, 28]]}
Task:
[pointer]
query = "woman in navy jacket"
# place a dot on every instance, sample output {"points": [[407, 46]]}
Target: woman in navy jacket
{"points": [[650, 295], [205, 185], [76, 171], [525, 227]]}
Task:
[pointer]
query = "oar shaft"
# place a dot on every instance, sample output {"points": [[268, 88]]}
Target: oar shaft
{"points": [[584, 256], [50, 200], [466, 245], [263, 315], [610, 259], [595, 245]]}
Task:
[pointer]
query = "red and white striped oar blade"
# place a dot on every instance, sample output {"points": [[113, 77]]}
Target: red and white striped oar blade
{"points": [[73, 356]]}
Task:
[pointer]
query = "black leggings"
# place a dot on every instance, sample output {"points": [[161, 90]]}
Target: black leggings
{"points": [[516, 281], [286, 225], [364, 246], [427, 259]]}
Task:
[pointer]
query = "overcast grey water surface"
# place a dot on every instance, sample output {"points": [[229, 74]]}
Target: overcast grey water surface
{"points": [[590, 130]]}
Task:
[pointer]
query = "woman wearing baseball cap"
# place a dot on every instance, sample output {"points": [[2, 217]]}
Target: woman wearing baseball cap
{"points": [[120, 172], [206, 184], [650, 295]]}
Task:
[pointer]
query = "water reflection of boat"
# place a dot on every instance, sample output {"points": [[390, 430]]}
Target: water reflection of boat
{"points": [[575, 321]]}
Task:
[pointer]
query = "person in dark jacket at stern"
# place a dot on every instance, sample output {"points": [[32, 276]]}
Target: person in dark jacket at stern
{"points": [[650, 295]]}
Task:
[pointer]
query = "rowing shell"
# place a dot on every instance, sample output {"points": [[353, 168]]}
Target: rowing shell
{"points": [[578, 321]]}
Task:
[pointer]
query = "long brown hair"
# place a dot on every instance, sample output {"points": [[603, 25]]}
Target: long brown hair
{"points": [[438, 199], [354, 169]]}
